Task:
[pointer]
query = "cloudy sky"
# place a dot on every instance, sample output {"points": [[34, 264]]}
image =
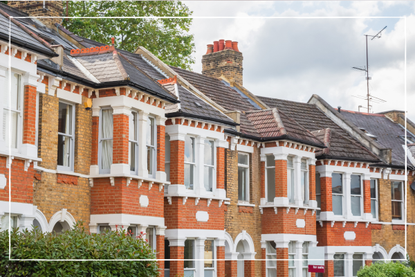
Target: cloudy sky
{"points": [[294, 49]]}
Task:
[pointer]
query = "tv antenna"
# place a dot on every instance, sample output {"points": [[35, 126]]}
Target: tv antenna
{"points": [[366, 69]]}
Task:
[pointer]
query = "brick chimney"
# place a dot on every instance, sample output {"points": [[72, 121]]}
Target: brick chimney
{"points": [[224, 59], [40, 8]]}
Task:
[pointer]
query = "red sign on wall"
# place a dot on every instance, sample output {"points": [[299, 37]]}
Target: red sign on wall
{"points": [[316, 268]]}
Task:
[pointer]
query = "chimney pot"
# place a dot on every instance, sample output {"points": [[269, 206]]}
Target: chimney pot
{"points": [[215, 46], [339, 109], [235, 46], [221, 44], [209, 48], [228, 44]]}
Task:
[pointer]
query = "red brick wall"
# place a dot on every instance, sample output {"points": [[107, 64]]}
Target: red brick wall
{"points": [[120, 136], [176, 267], [179, 216], [160, 254], [281, 178], [29, 115], [282, 262], [220, 168], [312, 181], [366, 195], [231, 268], [177, 162], [21, 182], [107, 199], [329, 269], [249, 268], [161, 140], [328, 235], [221, 261], [326, 198], [286, 223]]}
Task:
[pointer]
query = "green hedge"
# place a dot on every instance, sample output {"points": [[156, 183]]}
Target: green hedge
{"points": [[390, 269], [75, 244]]}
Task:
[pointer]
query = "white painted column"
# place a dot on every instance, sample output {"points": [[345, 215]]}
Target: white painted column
{"points": [[347, 205], [199, 256], [298, 257], [297, 181], [348, 260], [142, 148]]}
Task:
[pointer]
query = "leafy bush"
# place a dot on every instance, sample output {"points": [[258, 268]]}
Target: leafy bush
{"points": [[75, 244], [386, 270]]}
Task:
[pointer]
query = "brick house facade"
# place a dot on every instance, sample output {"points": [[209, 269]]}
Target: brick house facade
{"points": [[228, 183]]}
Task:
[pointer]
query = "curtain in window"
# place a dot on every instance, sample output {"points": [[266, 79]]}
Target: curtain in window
{"points": [[107, 132]]}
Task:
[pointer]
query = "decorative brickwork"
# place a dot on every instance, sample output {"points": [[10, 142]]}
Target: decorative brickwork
{"points": [[40, 8], [328, 235], [286, 223], [227, 62]]}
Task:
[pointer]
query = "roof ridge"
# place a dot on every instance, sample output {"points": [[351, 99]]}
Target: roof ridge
{"points": [[120, 66], [277, 117], [291, 101], [372, 114]]}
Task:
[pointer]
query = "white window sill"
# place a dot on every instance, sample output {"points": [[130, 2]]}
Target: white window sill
{"points": [[245, 204], [398, 221]]}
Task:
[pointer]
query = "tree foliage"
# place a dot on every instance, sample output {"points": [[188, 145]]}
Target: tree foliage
{"points": [[75, 244], [386, 270], [167, 38]]}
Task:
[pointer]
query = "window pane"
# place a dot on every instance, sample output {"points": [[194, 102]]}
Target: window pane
{"points": [[318, 198], [167, 170], [208, 256], [150, 131], [357, 263], [290, 163], [167, 148], [303, 165], [189, 150], [336, 183], [372, 188], [64, 150], [209, 152], [208, 178], [133, 126], [355, 201], [318, 185], [188, 176], [166, 253], [271, 247], [106, 155], [189, 253], [304, 187], [242, 183], [290, 185], [242, 159], [150, 237], [107, 124], [339, 265], [337, 205], [132, 231], [373, 207], [355, 186], [14, 95], [150, 160], [133, 154], [270, 184], [396, 210], [270, 160], [10, 128], [65, 119], [397, 191]]}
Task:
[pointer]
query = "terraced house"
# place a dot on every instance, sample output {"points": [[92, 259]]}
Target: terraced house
{"points": [[222, 182]]}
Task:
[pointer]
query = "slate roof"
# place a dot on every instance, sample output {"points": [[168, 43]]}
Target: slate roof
{"points": [[21, 36], [103, 67], [341, 147], [388, 133], [313, 119]]}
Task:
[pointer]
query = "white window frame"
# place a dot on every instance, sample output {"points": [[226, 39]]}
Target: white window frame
{"points": [[376, 200], [211, 166], [213, 269], [344, 264], [131, 141], [245, 167], [291, 186], [167, 157], [356, 195], [337, 194], [269, 167], [353, 259], [190, 269], [305, 188], [270, 256], [72, 139], [153, 159], [304, 259], [151, 231], [14, 218], [19, 111], [191, 163], [105, 226], [292, 258], [100, 140], [399, 201]]}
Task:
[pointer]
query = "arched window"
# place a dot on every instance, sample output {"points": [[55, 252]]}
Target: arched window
{"points": [[397, 257], [60, 227], [378, 257]]}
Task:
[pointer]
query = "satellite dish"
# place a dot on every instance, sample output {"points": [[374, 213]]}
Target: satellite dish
{"points": [[413, 185]]}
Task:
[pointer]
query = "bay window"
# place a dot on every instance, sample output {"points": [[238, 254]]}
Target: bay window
{"points": [[132, 231], [337, 193], [66, 135], [151, 147], [133, 142], [356, 193], [291, 259], [12, 111], [9, 219], [397, 200], [151, 237], [209, 164], [243, 177], [189, 256], [305, 259], [374, 198], [271, 263], [189, 162], [167, 157], [209, 257], [318, 192], [270, 175], [290, 180], [106, 138], [304, 182], [338, 265], [357, 263]]}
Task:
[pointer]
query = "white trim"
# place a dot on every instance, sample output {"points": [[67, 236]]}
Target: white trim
{"points": [[397, 249], [42, 220], [380, 249], [248, 244], [61, 216], [287, 151], [124, 220], [245, 148], [69, 96], [282, 240]]}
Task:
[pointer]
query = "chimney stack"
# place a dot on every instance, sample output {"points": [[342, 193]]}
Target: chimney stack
{"points": [[40, 8], [223, 58]]}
